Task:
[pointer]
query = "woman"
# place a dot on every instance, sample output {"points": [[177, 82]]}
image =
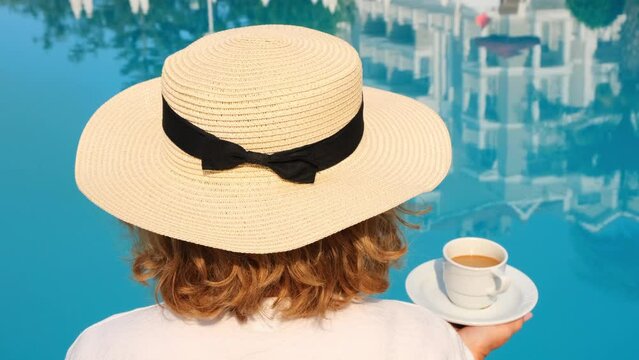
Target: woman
{"points": [[264, 199]]}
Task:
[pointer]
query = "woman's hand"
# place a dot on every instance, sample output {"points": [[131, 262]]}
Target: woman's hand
{"points": [[481, 340]]}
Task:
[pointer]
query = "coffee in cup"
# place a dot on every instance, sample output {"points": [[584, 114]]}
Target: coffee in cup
{"points": [[474, 272], [476, 260]]}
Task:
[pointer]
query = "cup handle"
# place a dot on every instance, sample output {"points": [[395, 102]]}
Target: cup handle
{"points": [[502, 283]]}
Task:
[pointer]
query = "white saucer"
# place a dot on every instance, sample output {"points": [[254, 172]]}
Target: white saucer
{"points": [[426, 288]]}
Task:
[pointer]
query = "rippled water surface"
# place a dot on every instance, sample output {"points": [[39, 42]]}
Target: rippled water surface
{"points": [[540, 98]]}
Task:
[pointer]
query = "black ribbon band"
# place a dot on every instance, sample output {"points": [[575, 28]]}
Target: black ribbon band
{"points": [[297, 165]]}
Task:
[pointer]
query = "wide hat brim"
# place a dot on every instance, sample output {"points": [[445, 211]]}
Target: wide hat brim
{"points": [[123, 167]]}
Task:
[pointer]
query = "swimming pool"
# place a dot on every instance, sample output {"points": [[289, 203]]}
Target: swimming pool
{"points": [[542, 110]]}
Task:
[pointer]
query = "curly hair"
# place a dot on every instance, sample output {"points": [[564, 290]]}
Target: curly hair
{"points": [[200, 282]]}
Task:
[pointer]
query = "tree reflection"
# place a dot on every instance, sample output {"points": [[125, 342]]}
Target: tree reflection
{"points": [[142, 41], [606, 146], [596, 13]]}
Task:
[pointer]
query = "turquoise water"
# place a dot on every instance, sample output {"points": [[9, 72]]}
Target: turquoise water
{"points": [[544, 126]]}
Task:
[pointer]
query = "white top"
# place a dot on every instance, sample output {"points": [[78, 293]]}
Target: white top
{"points": [[372, 329]]}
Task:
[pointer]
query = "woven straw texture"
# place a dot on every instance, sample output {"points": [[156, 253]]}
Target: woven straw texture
{"points": [[268, 88]]}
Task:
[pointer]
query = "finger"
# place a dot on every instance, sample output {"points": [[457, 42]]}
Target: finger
{"points": [[528, 316], [516, 325]]}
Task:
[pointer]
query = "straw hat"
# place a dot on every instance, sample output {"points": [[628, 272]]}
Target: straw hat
{"points": [[258, 90]]}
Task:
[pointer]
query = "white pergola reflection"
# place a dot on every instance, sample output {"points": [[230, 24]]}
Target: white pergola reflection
{"points": [[78, 6], [138, 6]]}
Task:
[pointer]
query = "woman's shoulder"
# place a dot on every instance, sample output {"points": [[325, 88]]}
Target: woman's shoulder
{"points": [[400, 311], [414, 327], [115, 329], [415, 319], [406, 329]]}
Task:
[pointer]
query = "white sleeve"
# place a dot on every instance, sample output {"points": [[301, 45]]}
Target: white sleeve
{"points": [[91, 343], [73, 353], [86, 346]]}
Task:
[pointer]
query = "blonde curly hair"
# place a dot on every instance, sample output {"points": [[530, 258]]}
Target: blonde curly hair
{"points": [[200, 282]]}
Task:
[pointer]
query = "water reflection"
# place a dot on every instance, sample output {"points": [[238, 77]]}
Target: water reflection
{"points": [[534, 105], [541, 98]]}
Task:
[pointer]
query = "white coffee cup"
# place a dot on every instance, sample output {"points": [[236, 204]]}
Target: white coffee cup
{"points": [[474, 287]]}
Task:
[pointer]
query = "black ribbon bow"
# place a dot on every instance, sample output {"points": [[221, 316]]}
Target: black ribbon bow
{"points": [[290, 165], [297, 165]]}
